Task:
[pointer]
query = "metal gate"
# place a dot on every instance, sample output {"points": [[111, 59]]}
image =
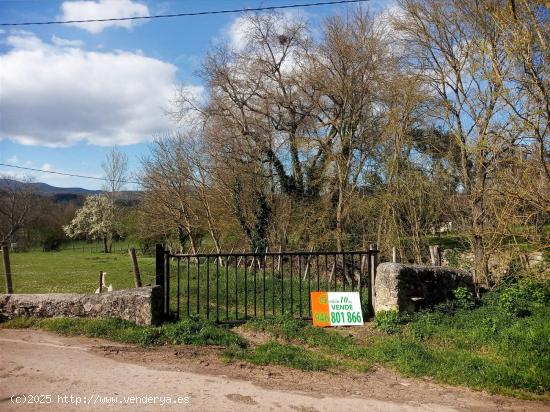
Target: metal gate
{"points": [[235, 287]]}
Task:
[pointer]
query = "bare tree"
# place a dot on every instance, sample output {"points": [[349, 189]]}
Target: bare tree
{"points": [[374, 132], [16, 200], [458, 51], [524, 194], [169, 200], [196, 155], [525, 30], [350, 69], [115, 168], [298, 116]]}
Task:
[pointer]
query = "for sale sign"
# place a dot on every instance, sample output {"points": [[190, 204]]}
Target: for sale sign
{"points": [[336, 308]]}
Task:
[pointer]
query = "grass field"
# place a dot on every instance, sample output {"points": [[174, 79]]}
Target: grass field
{"points": [[73, 270]]}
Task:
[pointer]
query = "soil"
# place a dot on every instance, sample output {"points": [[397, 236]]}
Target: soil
{"points": [[38, 362]]}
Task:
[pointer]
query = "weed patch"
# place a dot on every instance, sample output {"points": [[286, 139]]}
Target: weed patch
{"points": [[274, 353], [193, 331]]}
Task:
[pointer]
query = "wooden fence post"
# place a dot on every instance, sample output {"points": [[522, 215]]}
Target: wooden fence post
{"points": [[435, 255], [372, 275], [159, 265], [253, 260], [100, 281], [7, 268], [306, 272], [133, 258]]}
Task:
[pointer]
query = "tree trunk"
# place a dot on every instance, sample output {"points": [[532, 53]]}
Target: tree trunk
{"points": [[192, 241], [105, 245], [481, 267], [7, 268], [135, 267], [339, 219]]}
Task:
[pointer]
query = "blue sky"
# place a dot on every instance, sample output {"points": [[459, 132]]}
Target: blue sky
{"points": [[69, 93]]}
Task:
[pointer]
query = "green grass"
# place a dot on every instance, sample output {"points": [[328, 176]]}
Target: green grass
{"points": [[449, 241], [276, 353], [487, 347], [191, 331], [73, 271]]}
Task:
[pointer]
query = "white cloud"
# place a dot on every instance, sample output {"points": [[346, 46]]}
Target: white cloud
{"points": [[102, 9], [13, 160], [22, 40], [237, 32], [14, 175], [58, 41], [56, 96], [47, 167]]}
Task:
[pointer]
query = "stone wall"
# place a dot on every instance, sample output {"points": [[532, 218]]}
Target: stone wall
{"points": [[141, 305], [408, 288]]}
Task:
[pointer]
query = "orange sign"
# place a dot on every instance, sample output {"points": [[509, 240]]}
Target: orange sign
{"points": [[320, 309]]}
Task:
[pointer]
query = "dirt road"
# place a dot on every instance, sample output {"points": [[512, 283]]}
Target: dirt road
{"points": [[100, 375]]}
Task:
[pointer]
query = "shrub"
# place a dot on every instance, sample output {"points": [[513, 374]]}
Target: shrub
{"points": [[274, 353], [464, 298], [389, 321], [52, 239], [520, 298], [198, 331], [426, 323]]}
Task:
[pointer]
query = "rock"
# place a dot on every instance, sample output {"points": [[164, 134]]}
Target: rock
{"points": [[140, 305], [407, 288], [537, 261]]}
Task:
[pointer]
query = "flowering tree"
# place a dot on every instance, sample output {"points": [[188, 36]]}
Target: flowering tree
{"points": [[95, 219]]}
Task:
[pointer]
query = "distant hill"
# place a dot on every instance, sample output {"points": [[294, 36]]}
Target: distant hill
{"points": [[47, 189], [61, 194]]}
